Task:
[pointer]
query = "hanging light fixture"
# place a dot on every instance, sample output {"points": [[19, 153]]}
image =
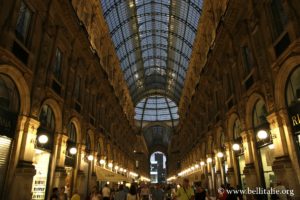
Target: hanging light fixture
{"points": [[102, 162], [110, 165], [43, 139], [202, 163], [262, 134], [236, 147], [73, 150], [220, 154], [90, 157], [209, 160]]}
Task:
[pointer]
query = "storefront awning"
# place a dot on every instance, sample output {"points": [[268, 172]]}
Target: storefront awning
{"points": [[107, 175]]}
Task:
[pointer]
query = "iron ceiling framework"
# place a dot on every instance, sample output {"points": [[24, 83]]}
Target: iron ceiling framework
{"points": [[153, 40]]}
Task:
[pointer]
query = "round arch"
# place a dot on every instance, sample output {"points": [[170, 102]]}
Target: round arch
{"points": [[208, 145], [281, 79], [21, 85], [160, 148], [109, 151], [203, 150], [57, 113], [77, 125], [100, 141], [91, 134], [218, 133], [232, 118], [250, 106]]}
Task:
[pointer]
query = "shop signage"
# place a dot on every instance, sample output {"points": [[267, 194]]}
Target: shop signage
{"points": [[8, 122], [294, 115]]}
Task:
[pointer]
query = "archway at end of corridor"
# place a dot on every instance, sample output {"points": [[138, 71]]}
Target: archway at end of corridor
{"points": [[158, 168]]}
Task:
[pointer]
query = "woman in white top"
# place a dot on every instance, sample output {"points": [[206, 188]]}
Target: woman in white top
{"points": [[132, 195]]}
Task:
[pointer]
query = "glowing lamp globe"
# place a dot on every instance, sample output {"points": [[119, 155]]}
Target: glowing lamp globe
{"points": [[220, 154], [43, 139], [73, 150], [209, 160], [90, 157], [236, 147], [262, 134]]}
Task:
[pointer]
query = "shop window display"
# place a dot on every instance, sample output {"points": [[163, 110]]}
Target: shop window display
{"points": [[43, 149]]}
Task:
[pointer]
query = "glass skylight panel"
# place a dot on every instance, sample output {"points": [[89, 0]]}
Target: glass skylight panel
{"points": [[157, 47]]}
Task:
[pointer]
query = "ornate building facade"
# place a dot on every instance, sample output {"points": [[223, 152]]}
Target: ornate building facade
{"points": [[241, 102], [66, 109], [59, 85]]}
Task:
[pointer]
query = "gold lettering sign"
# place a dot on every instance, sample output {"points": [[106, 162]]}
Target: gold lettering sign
{"points": [[296, 120]]}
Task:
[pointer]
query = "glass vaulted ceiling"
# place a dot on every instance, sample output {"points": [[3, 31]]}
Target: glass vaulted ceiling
{"points": [[153, 40]]}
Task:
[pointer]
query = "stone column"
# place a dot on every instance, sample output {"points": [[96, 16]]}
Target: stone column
{"points": [[218, 174], [204, 181], [210, 175], [282, 165], [25, 171], [230, 164], [60, 174], [78, 174], [82, 172], [250, 170], [93, 178]]}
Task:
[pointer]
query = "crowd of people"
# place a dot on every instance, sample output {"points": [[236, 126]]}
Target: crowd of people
{"points": [[136, 191], [145, 191]]}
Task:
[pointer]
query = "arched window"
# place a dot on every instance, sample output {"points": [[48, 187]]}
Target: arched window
{"points": [[99, 148], [71, 146], [222, 140], [46, 128], [293, 87], [259, 114], [88, 143], [72, 132], [237, 129], [47, 118], [9, 95]]}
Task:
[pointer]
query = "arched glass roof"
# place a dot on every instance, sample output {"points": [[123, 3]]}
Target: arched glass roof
{"points": [[156, 108], [153, 40]]}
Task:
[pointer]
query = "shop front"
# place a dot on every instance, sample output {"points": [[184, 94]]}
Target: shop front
{"points": [[293, 103], [43, 152], [70, 159], [238, 149], [9, 109], [264, 145]]}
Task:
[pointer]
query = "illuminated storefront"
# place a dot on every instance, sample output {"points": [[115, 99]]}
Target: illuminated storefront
{"points": [[9, 109], [264, 144], [70, 160], [42, 156]]}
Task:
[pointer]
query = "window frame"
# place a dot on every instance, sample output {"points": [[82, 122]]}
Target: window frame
{"points": [[54, 65], [25, 40], [278, 20]]}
